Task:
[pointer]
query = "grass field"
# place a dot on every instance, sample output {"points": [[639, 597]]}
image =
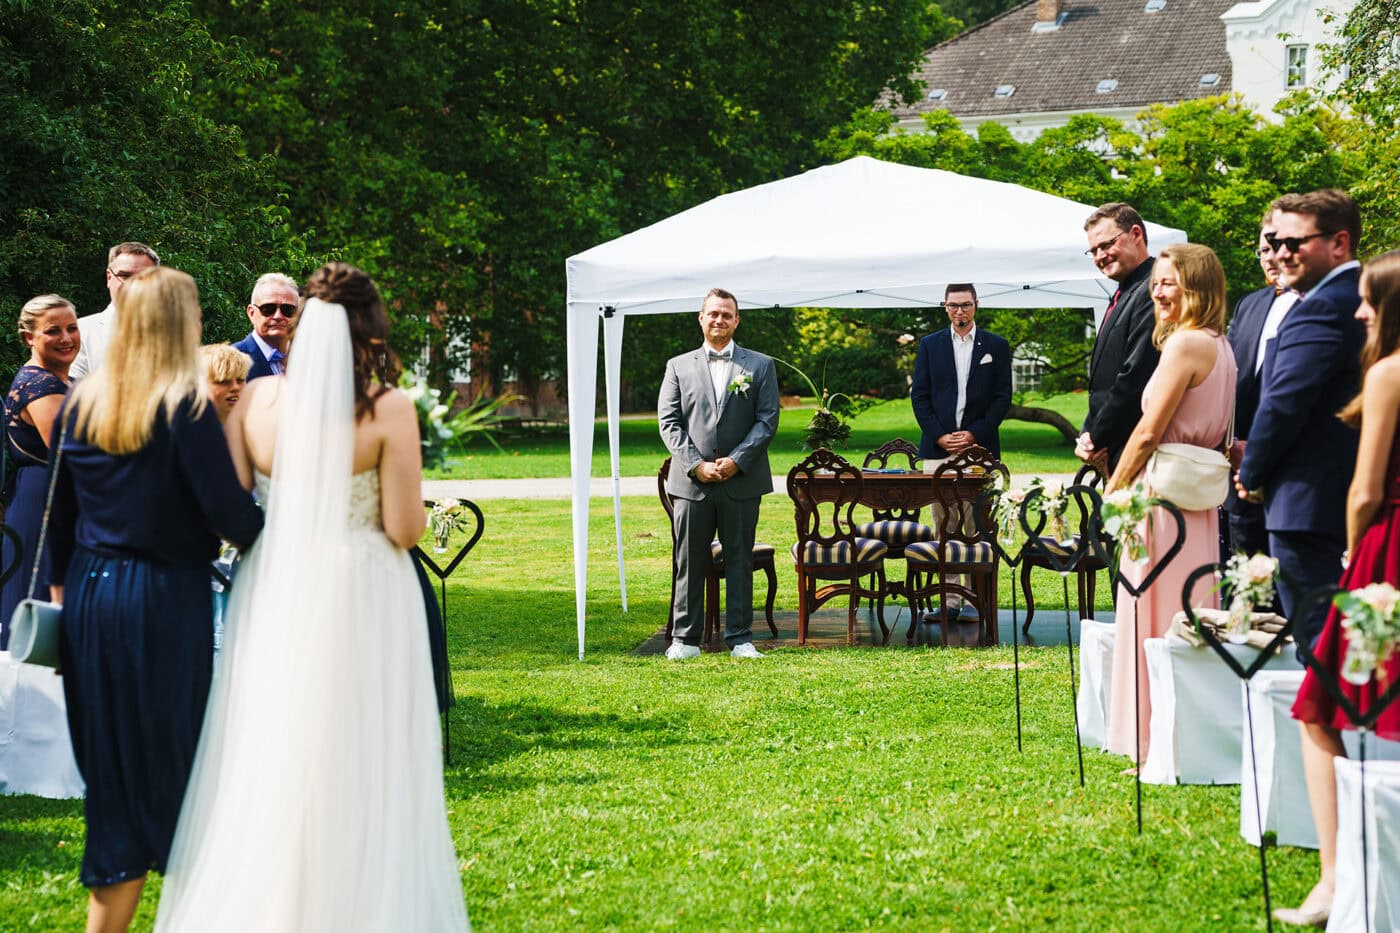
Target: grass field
{"points": [[812, 790], [1026, 447]]}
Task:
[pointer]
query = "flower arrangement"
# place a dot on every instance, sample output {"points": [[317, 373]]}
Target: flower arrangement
{"points": [[1250, 580], [1123, 513], [442, 435], [827, 428], [1371, 619], [1006, 511], [1053, 504], [445, 517]]}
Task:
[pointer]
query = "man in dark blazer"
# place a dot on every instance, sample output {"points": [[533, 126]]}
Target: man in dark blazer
{"points": [[718, 411], [962, 382], [1123, 358], [1267, 306], [1300, 456], [270, 310]]}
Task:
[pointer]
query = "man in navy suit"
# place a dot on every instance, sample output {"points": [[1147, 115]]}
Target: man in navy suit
{"points": [[1254, 324], [1300, 457], [962, 382], [270, 310], [1123, 358]]}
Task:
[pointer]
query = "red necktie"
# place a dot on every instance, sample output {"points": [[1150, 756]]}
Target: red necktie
{"points": [[1113, 303]]}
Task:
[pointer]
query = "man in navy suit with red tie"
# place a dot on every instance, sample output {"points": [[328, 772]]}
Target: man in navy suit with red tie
{"points": [[962, 382], [1300, 457]]}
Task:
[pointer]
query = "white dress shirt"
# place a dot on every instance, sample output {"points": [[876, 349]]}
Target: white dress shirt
{"points": [[962, 362], [94, 332], [1283, 301], [719, 369], [267, 351]]}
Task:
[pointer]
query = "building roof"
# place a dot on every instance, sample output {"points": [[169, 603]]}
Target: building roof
{"points": [[1153, 57]]}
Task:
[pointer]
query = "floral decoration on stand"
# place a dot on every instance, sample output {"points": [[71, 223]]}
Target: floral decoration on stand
{"points": [[1124, 511], [1371, 620], [1250, 580], [443, 435], [1006, 510], [1051, 503], [828, 428], [445, 518]]}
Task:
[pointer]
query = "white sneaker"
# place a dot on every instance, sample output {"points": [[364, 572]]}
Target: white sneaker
{"points": [[681, 652], [746, 650]]}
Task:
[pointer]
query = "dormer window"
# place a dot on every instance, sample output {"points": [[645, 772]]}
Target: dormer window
{"points": [[1210, 79], [1004, 90], [1107, 86], [938, 93]]}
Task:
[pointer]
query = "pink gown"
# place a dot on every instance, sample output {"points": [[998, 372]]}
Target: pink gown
{"points": [[1202, 418]]}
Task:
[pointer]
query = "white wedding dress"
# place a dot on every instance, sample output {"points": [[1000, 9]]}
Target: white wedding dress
{"points": [[316, 800]]}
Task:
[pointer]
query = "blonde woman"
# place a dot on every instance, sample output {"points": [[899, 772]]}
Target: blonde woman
{"points": [[226, 369], [1188, 400], [145, 489], [48, 325]]}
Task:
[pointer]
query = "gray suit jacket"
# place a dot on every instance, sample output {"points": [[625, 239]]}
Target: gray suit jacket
{"points": [[696, 428]]}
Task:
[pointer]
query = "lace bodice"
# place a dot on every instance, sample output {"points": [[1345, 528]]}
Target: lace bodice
{"points": [[364, 497]]}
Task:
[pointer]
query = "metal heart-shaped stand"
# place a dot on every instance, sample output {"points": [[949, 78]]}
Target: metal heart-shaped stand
{"points": [[442, 573], [1064, 558], [981, 511], [1135, 590], [1362, 720], [1244, 672]]}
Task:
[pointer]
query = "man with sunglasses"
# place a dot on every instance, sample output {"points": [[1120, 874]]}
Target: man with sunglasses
{"points": [[1123, 358], [123, 261], [270, 311], [1300, 456]]}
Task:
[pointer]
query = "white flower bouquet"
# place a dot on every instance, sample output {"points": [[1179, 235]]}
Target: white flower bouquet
{"points": [[445, 517], [1123, 512], [1371, 620], [1250, 580]]}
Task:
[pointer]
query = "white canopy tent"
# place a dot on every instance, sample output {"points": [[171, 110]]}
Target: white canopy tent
{"points": [[859, 234]]}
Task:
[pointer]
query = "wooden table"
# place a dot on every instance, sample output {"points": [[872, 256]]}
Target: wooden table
{"points": [[903, 489]]}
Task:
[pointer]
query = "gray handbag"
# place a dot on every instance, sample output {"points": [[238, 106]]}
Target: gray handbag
{"points": [[36, 623]]}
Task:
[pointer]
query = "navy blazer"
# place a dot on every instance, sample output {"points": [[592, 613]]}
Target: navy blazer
{"points": [[934, 391], [1299, 453], [1122, 361], [261, 367], [1246, 324]]}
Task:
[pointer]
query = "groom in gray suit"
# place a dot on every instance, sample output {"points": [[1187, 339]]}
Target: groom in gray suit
{"points": [[718, 410]]}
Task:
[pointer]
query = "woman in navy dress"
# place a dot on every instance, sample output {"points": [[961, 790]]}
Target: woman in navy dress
{"points": [[48, 325], [145, 490]]}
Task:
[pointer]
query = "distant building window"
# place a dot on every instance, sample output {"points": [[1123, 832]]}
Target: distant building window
{"points": [[1107, 86], [1210, 79], [1296, 74], [1155, 6], [938, 93], [1004, 90], [1028, 367]]}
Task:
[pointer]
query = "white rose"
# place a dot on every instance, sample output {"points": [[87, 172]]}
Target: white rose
{"points": [[1381, 597], [1260, 568], [1119, 499]]}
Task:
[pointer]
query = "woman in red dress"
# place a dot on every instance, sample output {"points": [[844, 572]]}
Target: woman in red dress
{"points": [[1373, 543]]}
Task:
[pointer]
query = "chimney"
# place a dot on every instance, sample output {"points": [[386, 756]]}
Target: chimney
{"points": [[1047, 12]]}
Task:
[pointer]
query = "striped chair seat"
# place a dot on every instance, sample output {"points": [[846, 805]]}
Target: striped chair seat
{"points": [[867, 551], [896, 534], [759, 551], [1056, 549], [959, 552]]}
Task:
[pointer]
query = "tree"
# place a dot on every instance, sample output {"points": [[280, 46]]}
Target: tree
{"points": [[102, 146]]}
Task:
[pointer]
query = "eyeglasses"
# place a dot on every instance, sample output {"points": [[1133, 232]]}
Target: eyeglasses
{"points": [[125, 273], [1104, 246], [1291, 243], [272, 307], [960, 305]]}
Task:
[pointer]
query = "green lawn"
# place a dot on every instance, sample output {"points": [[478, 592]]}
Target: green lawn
{"points": [[1026, 447], [812, 790]]}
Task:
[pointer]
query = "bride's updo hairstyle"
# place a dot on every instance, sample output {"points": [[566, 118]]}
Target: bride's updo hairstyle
{"points": [[376, 366]]}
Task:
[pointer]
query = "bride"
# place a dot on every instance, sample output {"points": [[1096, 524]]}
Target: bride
{"points": [[316, 800]]}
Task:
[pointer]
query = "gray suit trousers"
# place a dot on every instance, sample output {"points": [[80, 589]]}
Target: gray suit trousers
{"points": [[696, 522]]}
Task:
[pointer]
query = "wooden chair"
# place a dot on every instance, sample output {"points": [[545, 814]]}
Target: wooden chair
{"points": [[897, 526], [958, 549], [763, 559], [1085, 570], [827, 546]]}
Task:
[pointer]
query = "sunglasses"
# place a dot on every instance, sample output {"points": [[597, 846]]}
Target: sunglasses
{"points": [[1291, 243], [271, 308]]}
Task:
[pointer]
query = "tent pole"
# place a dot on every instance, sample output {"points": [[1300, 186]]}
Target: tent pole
{"points": [[582, 349], [612, 370]]}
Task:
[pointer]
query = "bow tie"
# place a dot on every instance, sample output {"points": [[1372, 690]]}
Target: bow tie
{"points": [[712, 356]]}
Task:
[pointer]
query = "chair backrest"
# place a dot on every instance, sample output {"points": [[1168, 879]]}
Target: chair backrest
{"points": [[974, 467], [880, 458], [1090, 475], [823, 512], [664, 493]]}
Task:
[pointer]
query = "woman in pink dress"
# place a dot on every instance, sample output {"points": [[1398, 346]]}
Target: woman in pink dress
{"points": [[1188, 400], [1373, 541]]}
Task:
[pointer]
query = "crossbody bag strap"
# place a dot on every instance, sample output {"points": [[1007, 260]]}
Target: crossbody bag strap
{"points": [[48, 502]]}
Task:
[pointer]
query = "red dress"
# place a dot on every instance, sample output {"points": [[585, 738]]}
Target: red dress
{"points": [[1375, 560]]}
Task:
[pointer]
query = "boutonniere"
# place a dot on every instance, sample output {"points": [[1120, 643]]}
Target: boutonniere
{"points": [[740, 385]]}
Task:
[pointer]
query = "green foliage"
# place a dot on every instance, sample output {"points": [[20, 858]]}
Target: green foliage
{"points": [[102, 144]]}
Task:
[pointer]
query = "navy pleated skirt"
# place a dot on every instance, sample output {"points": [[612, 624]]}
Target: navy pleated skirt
{"points": [[137, 661], [23, 514]]}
